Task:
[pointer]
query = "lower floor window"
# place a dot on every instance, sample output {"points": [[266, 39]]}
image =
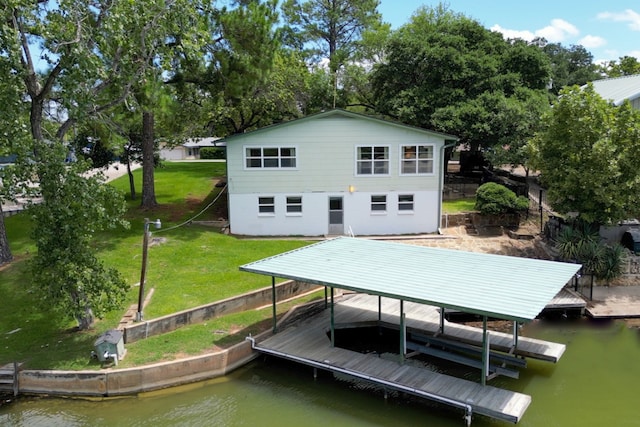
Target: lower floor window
{"points": [[266, 205], [294, 204], [378, 203], [405, 202]]}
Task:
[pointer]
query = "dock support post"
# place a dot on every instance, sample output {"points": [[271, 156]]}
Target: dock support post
{"points": [[515, 334], [442, 320], [403, 333], [315, 373], [325, 297], [485, 352], [333, 324], [379, 308], [273, 300]]}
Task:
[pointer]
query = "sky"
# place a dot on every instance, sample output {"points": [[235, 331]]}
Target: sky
{"points": [[607, 29]]}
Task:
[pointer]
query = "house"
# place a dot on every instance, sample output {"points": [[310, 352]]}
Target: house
{"points": [[335, 173], [619, 89], [190, 150]]}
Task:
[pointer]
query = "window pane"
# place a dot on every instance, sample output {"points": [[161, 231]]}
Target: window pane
{"points": [[288, 163], [378, 199], [288, 152], [254, 152], [425, 166], [409, 166], [364, 153], [409, 152], [271, 152], [425, 152], [381, 167], [380, 152], [270, 163], [254, 163], [378, 203], [294, 204], [364, 168], [405, 202], [266, 205]]}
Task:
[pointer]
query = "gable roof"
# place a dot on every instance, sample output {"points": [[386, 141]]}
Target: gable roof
{"points": [[618, 89], [343, 113], [498, 286]]}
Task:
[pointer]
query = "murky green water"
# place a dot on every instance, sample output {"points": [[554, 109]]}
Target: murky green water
{"points": [[596, 383]]}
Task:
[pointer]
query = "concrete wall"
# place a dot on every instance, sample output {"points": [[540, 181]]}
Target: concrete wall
{"points": [[236, 304], [131, 381]]}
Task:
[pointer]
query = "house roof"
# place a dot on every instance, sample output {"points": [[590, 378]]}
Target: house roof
{"points": [[344, 113], [211, 141], [497, 286], [618, 89]]}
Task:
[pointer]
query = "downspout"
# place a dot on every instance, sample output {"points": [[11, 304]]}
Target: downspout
{"points": [[441, 182]]}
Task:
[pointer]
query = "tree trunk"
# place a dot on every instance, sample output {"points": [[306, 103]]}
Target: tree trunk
{"points": [[132, 183], [148, 186], [5, 251]]}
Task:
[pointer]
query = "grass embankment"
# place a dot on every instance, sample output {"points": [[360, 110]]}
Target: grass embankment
{"points": [[187, 266]]}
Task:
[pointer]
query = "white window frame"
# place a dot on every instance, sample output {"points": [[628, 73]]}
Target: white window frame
{"points": [[263, 202], [293, 204], [404, 161], [381, 202], [280, 157], [373, 160], [405, 203]]}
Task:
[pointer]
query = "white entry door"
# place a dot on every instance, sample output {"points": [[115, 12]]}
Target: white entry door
{"points": [[336, 216]]}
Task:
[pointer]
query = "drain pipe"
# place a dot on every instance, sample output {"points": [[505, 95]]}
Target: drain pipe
{"points": [[326, 365], [441, 181]]}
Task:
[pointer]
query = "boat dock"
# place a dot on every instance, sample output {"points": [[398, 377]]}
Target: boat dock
{"points": [[308, 342]]}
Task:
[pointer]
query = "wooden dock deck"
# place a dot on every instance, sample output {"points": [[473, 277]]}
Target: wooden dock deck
{"points": [[307, 342]]}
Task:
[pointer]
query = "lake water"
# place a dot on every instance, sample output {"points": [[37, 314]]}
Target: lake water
{"points": [[596, 383]]}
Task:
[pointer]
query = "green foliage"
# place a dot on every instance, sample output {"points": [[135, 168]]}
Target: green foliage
{"points": [[589, 155], [569, 66], [625, 66], [445, 71], [212, 153], [66, 274], [493, 198]]}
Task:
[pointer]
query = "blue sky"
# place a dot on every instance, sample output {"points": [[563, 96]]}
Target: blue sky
{"points": [[608, 29]]}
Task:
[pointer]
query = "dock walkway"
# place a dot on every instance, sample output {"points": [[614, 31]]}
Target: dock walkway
{"points": [[307, 342]]}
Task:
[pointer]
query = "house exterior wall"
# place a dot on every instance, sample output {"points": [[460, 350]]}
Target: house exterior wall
{"points": [[326, 153], [175, 153]]}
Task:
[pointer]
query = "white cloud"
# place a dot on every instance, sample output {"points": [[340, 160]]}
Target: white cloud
{"points": [[591, 42], [630, 16], [556, 32]]}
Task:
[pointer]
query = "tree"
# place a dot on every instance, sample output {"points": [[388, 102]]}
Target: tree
{"points": [[569, 66], [86, 66], [335, 27], [447, 72], [625, 66], [589, 157]]}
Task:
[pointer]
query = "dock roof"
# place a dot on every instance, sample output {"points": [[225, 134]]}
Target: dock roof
{"points": [[490, 285]]}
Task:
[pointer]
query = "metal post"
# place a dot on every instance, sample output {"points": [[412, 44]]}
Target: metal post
{"points": [[325, 297], [485, 355], [403, 333], [273, 304], [379, 308], [143, 270], [540, 207], [515, 334], [442, 320], [333, 329]]}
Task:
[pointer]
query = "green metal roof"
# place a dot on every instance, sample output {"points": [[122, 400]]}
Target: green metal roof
{"points": [[498, 286]]}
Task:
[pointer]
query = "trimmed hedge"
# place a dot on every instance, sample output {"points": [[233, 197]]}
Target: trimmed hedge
{"points": [[492, 198]]}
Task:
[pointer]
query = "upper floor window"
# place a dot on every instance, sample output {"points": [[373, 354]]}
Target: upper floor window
{"points": [[270, 157], [416, 159], [372, 160]]}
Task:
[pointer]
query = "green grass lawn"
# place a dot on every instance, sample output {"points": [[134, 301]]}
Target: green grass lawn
{"points": [[459, 205], [191, 265]]}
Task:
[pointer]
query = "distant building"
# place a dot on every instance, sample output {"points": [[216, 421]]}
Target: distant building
{"points": [[618, 89], [335, 173], [190, 150]]}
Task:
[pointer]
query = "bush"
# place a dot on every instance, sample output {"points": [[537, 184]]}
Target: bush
{"points": [[212, 153], [493, 198]]}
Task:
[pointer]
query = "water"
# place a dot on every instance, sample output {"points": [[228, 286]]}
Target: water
{"points": [[595, 383]]}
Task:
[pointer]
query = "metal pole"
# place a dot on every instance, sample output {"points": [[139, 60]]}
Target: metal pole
{"points": [[540, 203], [273, 303], [403, 333], [485, 355], [333, 325], [143, 270]]}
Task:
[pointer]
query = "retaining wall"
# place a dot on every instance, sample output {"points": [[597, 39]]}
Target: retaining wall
{"points": [[236, 304], [131, 381]]}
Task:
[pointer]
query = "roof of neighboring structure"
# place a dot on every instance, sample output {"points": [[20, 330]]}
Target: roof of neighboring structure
{"points": [[618, 89], [211, 141], [344, 113], [493, 285]]}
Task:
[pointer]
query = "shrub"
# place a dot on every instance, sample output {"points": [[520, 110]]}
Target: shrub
{"points": [[212, 153], [493, 198]]}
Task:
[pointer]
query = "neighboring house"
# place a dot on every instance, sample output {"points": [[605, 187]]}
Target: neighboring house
{"points": [[618, 89], [190, 150], [334, 173]]}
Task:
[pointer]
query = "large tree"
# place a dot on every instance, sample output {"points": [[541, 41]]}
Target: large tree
{"points": [[447, 72], [625, 66], [73, 61], [589, 157], [569, 65], [334, 29]]}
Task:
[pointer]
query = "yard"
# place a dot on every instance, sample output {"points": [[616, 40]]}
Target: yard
{"points": [[188, 266]]}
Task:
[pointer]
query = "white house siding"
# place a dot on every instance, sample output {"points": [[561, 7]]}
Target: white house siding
{"points": [[326, 165]]}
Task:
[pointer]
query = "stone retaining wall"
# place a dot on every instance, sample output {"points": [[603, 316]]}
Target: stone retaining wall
{"points": [[248, 301]]}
